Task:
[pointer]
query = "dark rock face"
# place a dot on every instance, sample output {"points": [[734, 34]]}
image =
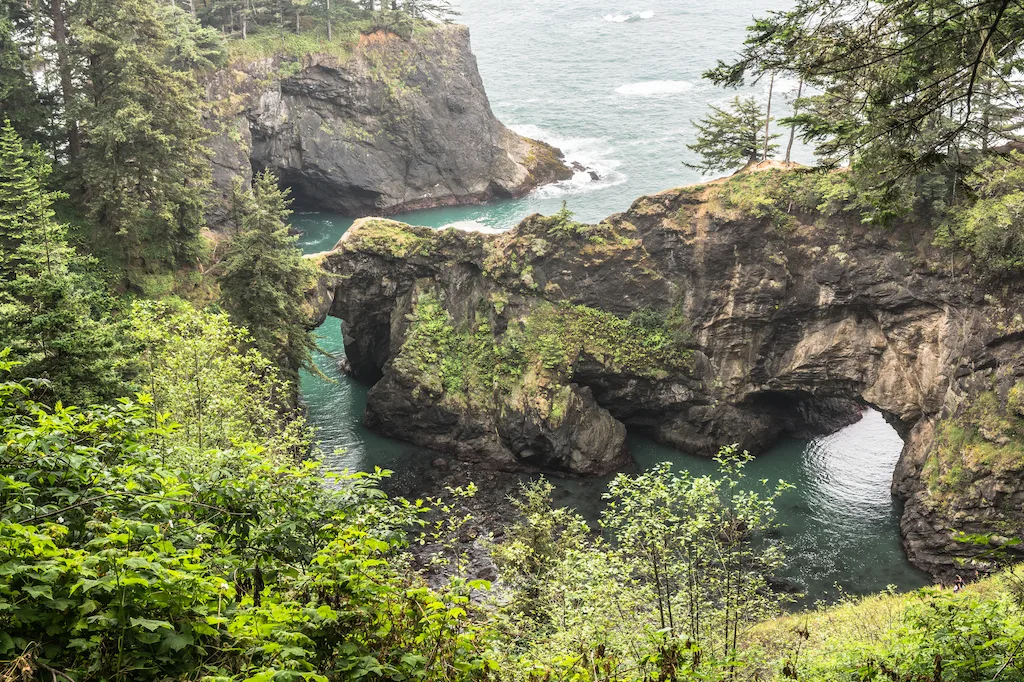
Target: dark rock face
{"points": [[398, 125], [688, 319]]}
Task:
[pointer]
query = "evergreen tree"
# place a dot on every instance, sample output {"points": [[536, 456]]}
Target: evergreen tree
{"points": [[18, 192], [265, 279], [144, 166], [19, 100], [51, 316], [905, 84], [729, 138]]}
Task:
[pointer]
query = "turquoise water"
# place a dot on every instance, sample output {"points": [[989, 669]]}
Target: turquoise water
{"points": [[614, 86]]}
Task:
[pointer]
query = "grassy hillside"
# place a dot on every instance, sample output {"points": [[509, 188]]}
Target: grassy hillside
{"points": [[931, 634]]}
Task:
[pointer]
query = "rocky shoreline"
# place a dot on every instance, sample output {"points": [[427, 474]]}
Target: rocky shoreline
{"points": [[699, 323], [397, 124]]}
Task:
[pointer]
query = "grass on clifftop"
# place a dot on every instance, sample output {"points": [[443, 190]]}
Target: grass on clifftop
{"points": [[932, 635], [779, 194], [265, 42], [270, 43], [388, 238]]}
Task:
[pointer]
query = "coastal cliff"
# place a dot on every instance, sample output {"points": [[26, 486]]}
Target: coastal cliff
{"points": [[703, 316], [384, 125]]}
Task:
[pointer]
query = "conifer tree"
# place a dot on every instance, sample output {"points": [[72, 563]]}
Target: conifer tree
{"points": [[729, 138], [144, 166], [265, 279], [17, 192], [51, 316], [19, 99]]}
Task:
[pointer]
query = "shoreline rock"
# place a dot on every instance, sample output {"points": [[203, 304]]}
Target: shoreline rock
{"points": [[397, 125], [699, 324]]}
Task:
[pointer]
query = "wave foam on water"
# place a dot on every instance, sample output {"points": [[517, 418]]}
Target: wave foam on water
{"points": [[594, 153], [473, 226], [635, 16], [654, 88]]}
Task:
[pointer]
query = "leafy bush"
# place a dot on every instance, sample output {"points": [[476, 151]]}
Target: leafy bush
{"points": [[667, 592], [991, 227], [121, 563], [203, 371]]}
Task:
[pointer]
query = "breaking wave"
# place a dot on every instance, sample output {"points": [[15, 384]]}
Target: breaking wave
{"points": [[592, 154]]}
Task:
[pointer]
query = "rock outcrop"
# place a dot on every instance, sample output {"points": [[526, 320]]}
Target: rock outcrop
{"points": [[393, 125], [708, 315]]}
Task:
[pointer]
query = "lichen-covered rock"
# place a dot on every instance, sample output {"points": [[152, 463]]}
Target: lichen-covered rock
{"points": [[397, 124], [703, 316]]}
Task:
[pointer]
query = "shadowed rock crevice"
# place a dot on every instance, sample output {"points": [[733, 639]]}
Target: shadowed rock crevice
{"points": [[701, 323]]}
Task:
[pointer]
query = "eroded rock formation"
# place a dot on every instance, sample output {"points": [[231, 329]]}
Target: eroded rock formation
{"points": [[396, 124], [703, 316]]}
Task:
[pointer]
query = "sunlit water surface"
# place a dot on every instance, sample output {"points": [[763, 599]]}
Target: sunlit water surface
{"points": [[615, 87]]}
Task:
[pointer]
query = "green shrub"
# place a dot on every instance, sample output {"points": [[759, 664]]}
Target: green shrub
{"points": [[121, 563]]}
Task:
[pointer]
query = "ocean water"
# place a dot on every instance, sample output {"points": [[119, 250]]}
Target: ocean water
{"points": [[615, 87]]}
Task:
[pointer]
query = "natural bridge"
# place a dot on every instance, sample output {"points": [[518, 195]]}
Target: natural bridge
{"points": [[700, 323]]}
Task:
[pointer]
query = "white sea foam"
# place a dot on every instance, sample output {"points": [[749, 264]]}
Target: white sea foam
{"points": [[635, 16], [474, 226], [594, 153], [654, 88]]}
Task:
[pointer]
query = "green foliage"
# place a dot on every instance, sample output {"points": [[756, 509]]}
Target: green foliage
{"points": [[265, 279], [334, 24], [668, 591], [986, 436], [781, 195], [120, 563], [932, 634], [202, 371], [20, 102], [562, 222], [905, 93], [906, 83], [388, 238], [145, 168], [469, 363], [52, 314], [730, 138], [991, 227]]}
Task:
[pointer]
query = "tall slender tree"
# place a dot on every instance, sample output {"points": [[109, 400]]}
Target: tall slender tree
{"points": [[51, 315], [265, 279], [20, 100]]}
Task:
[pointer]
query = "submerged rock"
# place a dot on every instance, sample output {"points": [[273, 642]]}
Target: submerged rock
{"points": [[701, 324], [398, 124]]}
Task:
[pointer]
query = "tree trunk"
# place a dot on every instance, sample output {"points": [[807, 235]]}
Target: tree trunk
{"points": [[328, 20], [792, 128], [60, 39], [768, 117]]}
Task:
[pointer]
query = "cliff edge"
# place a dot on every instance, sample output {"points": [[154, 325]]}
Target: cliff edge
{"points": [[384, 125]]}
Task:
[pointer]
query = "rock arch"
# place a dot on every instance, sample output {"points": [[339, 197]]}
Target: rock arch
{"points": [[785, 323]]}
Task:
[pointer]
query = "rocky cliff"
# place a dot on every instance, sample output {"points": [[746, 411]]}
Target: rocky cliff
{"points": [[389, 124], [726, 313]]}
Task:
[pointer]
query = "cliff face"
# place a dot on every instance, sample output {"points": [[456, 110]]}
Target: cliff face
{"points": [[703, 316], [395, 125]]}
